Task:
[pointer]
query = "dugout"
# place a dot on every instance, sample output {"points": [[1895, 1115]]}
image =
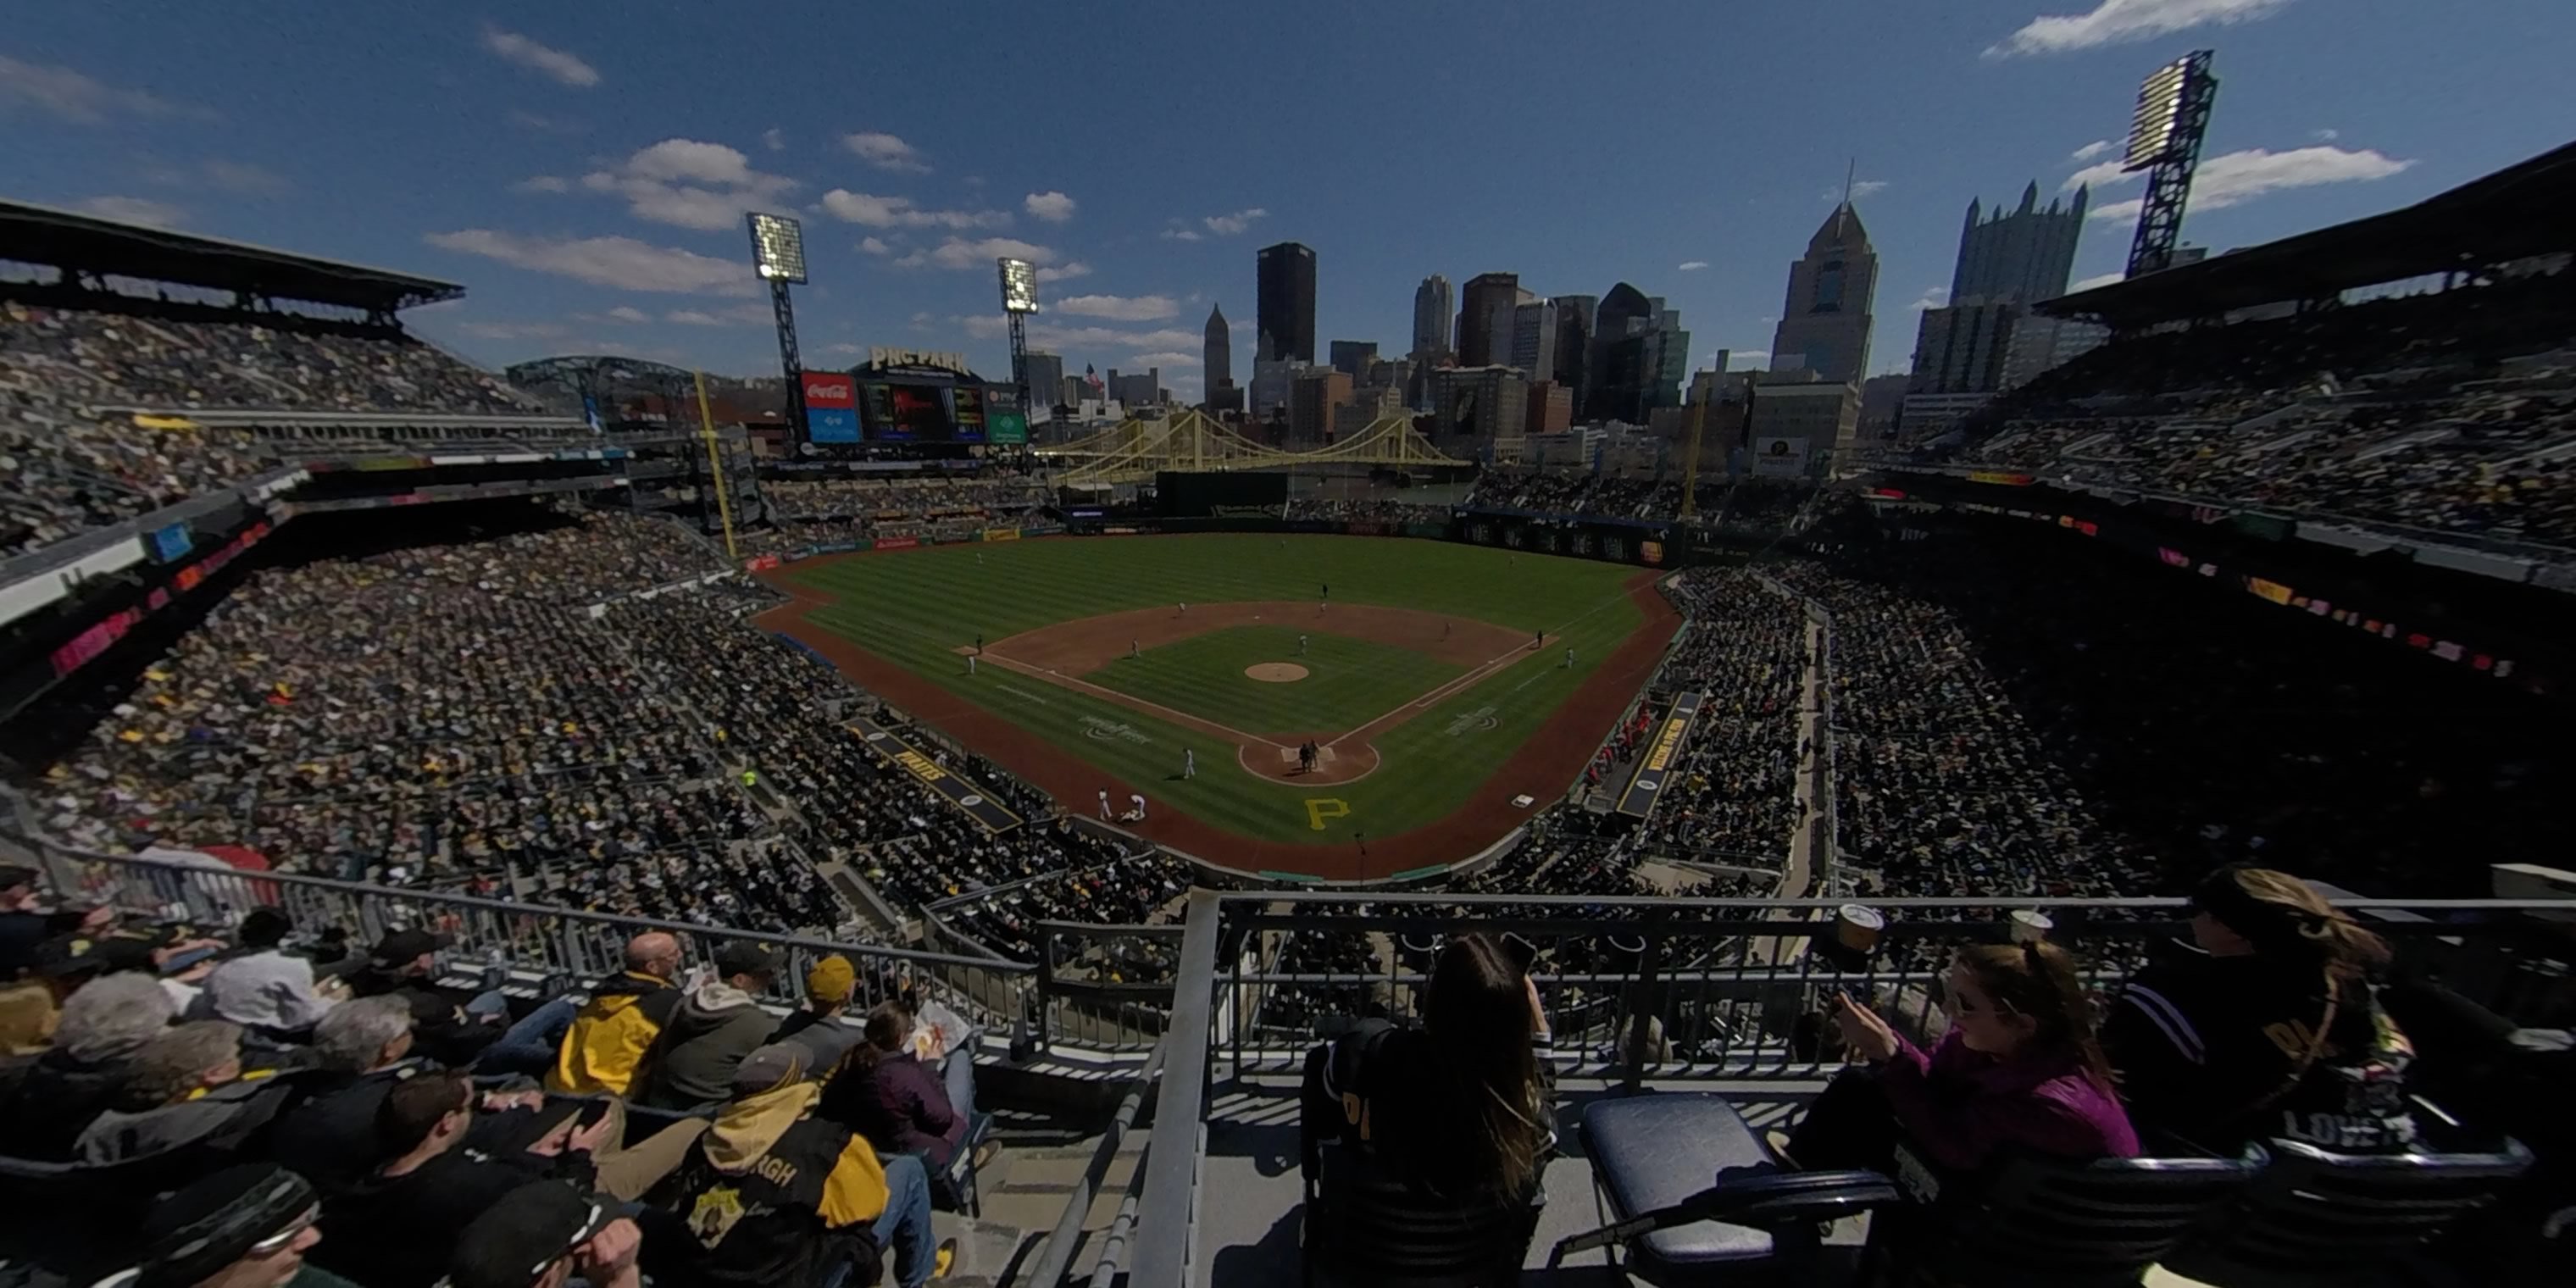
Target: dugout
{"points": [[1221, 494]]}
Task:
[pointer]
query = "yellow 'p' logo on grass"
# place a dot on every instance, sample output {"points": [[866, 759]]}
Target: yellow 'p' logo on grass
{"points": [[1320, 808]]}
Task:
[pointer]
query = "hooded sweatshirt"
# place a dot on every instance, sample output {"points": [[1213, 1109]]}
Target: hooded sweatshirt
{"points": [[705, 1040], [611, 1033], [772, 1193]]}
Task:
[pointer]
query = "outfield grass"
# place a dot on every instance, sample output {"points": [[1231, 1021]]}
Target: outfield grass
{"points": [[1348, 682], [916, 607]]}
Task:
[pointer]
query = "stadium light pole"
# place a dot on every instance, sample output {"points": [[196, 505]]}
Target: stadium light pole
{"points": [[2164, 140], [778, 254], [1019, 300]]}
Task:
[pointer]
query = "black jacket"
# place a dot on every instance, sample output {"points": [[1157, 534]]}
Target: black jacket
{"points": [[56, 1100], [398, 1231], [330, 1139]]}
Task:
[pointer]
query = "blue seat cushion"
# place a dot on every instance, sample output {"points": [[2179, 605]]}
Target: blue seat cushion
{"points": [[1653, 1151]]}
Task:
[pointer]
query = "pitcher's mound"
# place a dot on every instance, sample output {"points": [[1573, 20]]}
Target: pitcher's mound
{"points": [[1275, 672]]}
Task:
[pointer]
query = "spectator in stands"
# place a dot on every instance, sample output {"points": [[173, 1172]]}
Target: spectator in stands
{"points": [[817, 1025], [191, 1088], [620, 1022], [248, 1226], [364, 1048], [396, 1227], [691, 1062], [265, 988], [1458, 1104], [2018, 1069], [104, 1025], [23, 929], [810, 1194], [542, 1235], [451, 1026], [889, 1096], [2272, 1029]]}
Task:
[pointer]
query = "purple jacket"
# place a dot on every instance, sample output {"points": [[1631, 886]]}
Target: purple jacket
{"points": [[900, 1107], [1959, 1105]]}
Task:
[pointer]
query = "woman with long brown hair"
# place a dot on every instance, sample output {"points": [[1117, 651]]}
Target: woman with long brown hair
{"points": [[2017, 1070], [2269, 1027], [1459, 1104]]}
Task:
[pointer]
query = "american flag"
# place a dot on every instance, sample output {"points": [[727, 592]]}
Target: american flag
{"points": [[1091, 377]]}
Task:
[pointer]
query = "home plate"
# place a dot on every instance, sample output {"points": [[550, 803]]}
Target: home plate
{"points": [[1323, 755]]}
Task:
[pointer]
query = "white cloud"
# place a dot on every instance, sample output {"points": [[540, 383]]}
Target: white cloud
{"points": [[1868, 188], [543, 183], [2239, 177], [1075, 269], [1932, 297], [875, 246], [1747, 359], [2099, 175], [1119, 308], [72, 95], [2093, 149], [740, 315], [846, 348], [869, 211], [1167, 358], [2098, 279], [773, 139], [244, 178], [1177, 232], [689, 183], [135, 210], [512, 330], [1053, 207], [2116, 22], [885, 151], [515, 48], [629, 313], [546, 124], [1229, 225], [1693, 265], [959, 253], [2325, 136], [605, 261]]}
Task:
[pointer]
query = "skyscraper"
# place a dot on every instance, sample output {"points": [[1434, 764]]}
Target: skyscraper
{"points": [[1672, 354], [1488, 297], [2025, 256], [1046, 378], [1285, 312], [1574, 344], [1824, 322], [1352, 357], [1626, 358], [1217, 352], [1534, 340], [1431, 305]]}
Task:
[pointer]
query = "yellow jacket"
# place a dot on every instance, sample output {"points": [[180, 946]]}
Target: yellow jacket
{"points": [[609, 1036]]}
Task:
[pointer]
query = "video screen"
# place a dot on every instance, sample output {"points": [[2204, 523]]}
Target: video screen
{"points": [[967, 403], [912, 413]]}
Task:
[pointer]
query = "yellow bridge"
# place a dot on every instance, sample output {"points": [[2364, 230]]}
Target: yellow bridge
{"points": [[1134, 451]]}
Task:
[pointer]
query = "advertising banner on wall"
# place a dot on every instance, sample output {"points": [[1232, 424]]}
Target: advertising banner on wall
{"points": [[1007, 427], [831, 406], [1779, 458]]}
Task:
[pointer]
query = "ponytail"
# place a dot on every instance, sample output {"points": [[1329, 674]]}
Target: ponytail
{"points": [[2281, 915]]}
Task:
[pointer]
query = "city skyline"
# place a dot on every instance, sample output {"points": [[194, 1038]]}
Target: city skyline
{"points": [[580, 171]]}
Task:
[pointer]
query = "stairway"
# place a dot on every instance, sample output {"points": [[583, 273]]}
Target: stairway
{"points": [[1024, 1190]]}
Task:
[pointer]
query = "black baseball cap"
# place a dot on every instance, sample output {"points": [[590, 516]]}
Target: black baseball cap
{"points": [[742, 957], [191, 1236], [530, 1229]]}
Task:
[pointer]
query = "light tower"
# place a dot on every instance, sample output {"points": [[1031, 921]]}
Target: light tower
{"points": [[1019, 300], [778, 253], [2164, 141]]}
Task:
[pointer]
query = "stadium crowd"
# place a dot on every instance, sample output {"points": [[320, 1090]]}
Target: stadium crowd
{"points": [[806, 512], [1734, 786], [75, 368], [2450, 410]]}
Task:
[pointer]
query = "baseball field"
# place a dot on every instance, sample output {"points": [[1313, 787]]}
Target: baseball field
{"points": [[1322, 706]]}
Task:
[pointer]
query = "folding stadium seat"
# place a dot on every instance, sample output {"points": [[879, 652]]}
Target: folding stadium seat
{"points": [[2313, 1217]]}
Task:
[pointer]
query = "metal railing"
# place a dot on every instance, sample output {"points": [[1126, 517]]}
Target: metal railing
{"points": [[548, 947], [1679, 989]]}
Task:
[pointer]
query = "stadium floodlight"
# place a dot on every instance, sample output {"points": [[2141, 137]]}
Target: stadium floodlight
{"points": [[778, 248], [1019, 286], [2160, 110]]}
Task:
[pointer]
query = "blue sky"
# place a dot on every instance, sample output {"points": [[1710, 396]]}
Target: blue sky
{"points": [[581, 167]]}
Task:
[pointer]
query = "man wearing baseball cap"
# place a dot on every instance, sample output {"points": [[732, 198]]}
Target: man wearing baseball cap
{"points": [[816, 1026], [542, 1235], [692, 1062], [242, 1227], [779, 1198]]}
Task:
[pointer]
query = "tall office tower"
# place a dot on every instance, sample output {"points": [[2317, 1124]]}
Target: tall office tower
{"points": [[1431, 305], [1626, 357], [1312, 395], [1574, 344], [1217, 351], [2025, 256], [1673, 356], [1824, 322], [1486, 296], [1961, 348], [1285, 312], [1534, 340], [1352, 358], [1046, 377], [1484, 404]]}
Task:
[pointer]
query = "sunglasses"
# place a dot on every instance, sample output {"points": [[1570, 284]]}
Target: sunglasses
{"points": [[280, 1241], [1950, 999]]}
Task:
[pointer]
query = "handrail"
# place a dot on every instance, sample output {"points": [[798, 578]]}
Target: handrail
{"points": [[1055, 1255], [1168, 1209]]}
